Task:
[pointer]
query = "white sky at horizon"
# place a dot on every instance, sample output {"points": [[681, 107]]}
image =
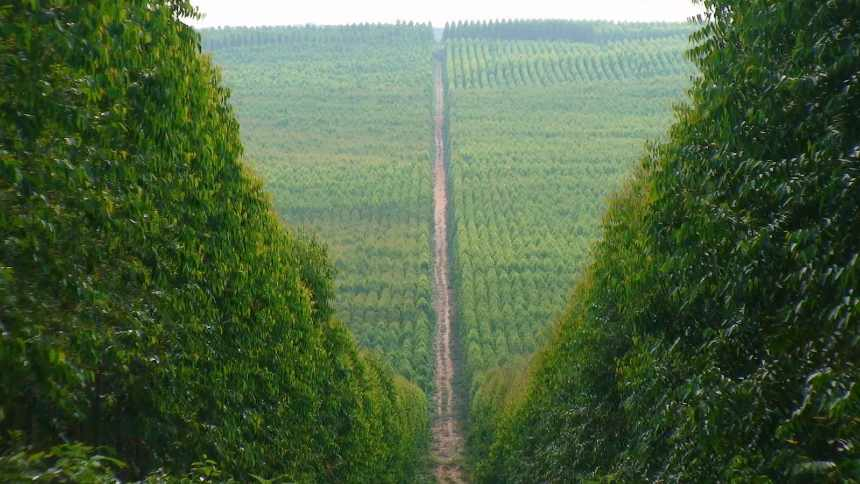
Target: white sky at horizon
{"points": [[338, 12]]}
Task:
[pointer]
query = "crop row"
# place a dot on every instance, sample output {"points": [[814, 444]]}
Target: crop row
{"points": [[530, 169], [482, 63], [568, 30]]}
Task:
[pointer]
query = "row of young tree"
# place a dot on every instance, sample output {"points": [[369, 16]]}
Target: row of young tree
{"points": [[714, 337], [157, 321], [493, 63], [530, 168], [338, 124], [584, 31]]}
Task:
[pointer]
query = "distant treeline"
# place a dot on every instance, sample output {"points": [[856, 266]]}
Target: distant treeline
{"points": [[599, 32], [224, 37], [568, 30]]}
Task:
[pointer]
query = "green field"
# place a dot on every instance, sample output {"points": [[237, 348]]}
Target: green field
{"points": [[337, 122], [541, 131]]}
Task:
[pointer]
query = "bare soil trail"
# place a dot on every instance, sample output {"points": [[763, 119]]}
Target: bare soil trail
{"points": [[447, 444]]}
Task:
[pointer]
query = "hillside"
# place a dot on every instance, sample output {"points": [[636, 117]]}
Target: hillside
{"points": [[337, 122], [714, 337], [541, 132], [156, 317]]}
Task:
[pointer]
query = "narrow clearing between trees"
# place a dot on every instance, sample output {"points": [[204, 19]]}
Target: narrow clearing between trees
{"points": [[447, 440]]}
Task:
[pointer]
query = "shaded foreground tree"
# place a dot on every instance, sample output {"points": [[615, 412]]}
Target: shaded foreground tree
{"points": [[715, 336], [152, 307]]}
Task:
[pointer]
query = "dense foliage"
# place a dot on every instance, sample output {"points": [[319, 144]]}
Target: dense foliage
{"points": [[337, 121], [715, 336], [531, 164], [151, 304]]}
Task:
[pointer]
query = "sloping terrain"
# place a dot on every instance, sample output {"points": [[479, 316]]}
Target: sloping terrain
{"points": [[337, 122]]}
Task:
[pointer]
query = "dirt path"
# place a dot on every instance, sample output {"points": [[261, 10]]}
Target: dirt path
{"points": [[447, 443]]}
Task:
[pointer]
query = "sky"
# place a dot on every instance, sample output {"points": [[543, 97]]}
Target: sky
{"points": [[335, 12]]}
